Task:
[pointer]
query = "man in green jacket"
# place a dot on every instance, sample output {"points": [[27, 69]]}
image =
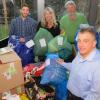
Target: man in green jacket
{"points": [[71, 21]]}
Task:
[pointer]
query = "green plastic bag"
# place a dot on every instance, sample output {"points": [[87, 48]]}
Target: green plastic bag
{"points": [[60, 45], [41, 40]]}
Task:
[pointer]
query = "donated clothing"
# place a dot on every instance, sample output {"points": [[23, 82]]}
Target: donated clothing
{"points": [[26, 54], [54, 31], [23, 28], [41, 41], [70, 27], [84, 78], [55, 75]]}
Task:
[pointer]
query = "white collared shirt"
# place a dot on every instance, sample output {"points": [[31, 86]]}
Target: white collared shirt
{"points": [[84, 78]]}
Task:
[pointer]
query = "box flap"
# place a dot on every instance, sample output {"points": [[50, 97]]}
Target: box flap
{"points": [[9, 57], [5, 50]]}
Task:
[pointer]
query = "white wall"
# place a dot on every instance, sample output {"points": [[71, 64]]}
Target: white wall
{"points": [[40, 5]]}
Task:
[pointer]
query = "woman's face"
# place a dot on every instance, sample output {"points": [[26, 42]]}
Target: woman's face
{"points": [[48, 16]]}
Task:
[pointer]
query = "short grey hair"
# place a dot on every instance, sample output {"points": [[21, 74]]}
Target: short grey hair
{"points": [[84, 26], [88, 28], [70, 2]]}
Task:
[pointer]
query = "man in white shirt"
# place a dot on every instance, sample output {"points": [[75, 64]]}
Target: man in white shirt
{"points": [[84, 77]]}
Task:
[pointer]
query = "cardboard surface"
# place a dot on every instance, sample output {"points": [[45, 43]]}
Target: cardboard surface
{"points": [[17, 90], [11, 74], [9, 57]]}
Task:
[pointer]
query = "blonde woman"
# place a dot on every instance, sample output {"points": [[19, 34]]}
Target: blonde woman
{"points": [[49, 22]]}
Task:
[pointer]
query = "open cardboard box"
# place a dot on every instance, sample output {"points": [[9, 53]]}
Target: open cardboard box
{"points": [[11, 74]]}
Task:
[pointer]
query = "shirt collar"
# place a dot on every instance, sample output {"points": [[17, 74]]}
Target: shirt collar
{"points": [[25, 18], [89, 57]]}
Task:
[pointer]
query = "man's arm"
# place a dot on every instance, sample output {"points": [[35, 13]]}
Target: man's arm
{"points": [[11, 32], [66, 65]]}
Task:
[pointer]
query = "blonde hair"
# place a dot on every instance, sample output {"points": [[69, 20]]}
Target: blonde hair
{"points": [[43, 21]]}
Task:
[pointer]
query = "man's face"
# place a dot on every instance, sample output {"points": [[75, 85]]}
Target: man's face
{"points": [[71, 9], [24, 12], [86, 43]]}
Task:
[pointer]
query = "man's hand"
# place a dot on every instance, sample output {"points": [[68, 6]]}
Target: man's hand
{"points": [[60, 61], [22, 40]]}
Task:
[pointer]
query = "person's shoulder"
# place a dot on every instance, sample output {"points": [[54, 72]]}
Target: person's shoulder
{"points": [[97, 61], [98, 53], [32, 20], [14, 19], [80, 14], [97, 57]]}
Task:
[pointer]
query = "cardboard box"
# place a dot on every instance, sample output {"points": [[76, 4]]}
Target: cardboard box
{"points": [[11, 74]]}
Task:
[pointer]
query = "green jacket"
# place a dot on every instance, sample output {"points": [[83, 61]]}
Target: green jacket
{"points": [[70, 27]]}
